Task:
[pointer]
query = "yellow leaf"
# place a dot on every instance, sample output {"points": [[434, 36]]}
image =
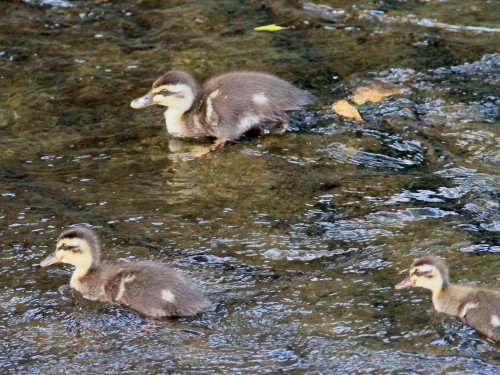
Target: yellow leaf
{"points": [[374, 93], [343, 108], [272, 27]]}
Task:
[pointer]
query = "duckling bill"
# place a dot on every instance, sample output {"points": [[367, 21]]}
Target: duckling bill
{"points": [[476, 307], [151, 289], [226, 107]]}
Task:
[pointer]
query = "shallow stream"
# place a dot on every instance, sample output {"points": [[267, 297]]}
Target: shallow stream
{"points": [[298, 239]]}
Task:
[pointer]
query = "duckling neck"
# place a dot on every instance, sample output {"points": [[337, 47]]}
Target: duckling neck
{"points": [[449, 298], [184, 123], [81, 270], [78, 273], [176, 124]]}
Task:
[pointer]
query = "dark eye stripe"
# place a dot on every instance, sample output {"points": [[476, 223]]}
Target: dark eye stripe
{"points": [[420, 273], [65, 247], [166, 92]]}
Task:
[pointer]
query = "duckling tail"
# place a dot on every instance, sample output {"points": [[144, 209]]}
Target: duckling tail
{"points": [[307, 98]]}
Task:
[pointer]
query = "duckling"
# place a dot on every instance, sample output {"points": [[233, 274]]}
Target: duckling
{"points": [[476, 307], [151, 289], [226, 107]]}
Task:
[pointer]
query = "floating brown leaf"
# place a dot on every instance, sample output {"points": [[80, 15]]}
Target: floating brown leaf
{"points": [[343, 108], [374, 93]]}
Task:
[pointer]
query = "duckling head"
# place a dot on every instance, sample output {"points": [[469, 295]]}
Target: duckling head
{"points": [[175, 89], [77, 246], [428, 272]]}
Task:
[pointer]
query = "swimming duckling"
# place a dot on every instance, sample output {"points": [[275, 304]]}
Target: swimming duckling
{"points": [[476, 307], [226, 107], [151, 289]]}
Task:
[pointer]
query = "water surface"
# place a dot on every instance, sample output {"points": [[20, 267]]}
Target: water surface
{"points": [[297, 239]]}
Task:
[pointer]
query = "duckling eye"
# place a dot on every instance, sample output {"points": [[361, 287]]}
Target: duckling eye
{"points": [[165, 92], [420, 273], [64, 247]]}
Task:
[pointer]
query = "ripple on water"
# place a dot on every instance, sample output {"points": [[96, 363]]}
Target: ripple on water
{"points": [[53, 3], [344, 154]]}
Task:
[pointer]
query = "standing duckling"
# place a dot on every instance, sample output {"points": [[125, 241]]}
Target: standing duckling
{"points": [[151, 289], [476, 307], [226, 107]]}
